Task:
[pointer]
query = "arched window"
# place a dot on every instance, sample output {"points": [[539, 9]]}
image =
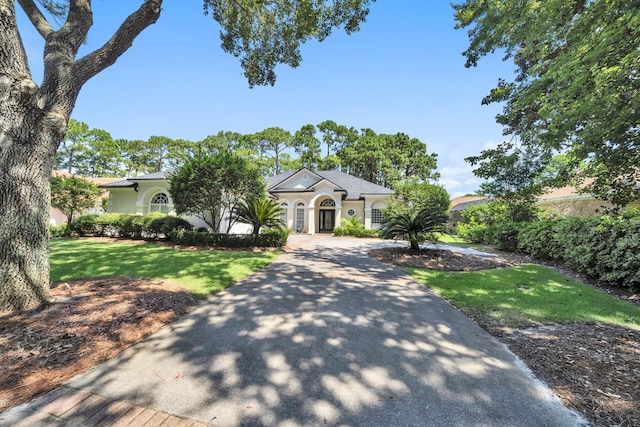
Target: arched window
{"points": [[159, 203], [327, 203], [299, 217], [283, 214]]}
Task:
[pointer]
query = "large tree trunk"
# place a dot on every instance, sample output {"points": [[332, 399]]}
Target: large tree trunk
{"points": [[33, 121], [26, 162]]}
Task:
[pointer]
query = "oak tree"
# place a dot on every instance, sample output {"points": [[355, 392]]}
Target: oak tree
{"points": [[34, 117]]}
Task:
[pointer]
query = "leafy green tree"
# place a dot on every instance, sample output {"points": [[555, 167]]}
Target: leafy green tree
{"points": [[34, 118], [386, 159], [259, 211], [72, 195], [336, 136], [103, 155], [515, 177], [416, 210], [576, 84], [211, 187], [414, 195]]}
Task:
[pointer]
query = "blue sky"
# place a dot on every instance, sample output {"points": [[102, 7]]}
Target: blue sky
{"points": [[403, 72]]}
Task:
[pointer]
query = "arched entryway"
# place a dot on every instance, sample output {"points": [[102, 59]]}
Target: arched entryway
{"points": [[327, 216]]}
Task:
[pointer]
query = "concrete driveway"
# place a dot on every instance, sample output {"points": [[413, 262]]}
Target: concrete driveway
{"points": [[326, 336]]}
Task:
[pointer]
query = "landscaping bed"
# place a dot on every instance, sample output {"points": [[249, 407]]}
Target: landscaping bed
{"points": [[593, 367], [88, 322]]}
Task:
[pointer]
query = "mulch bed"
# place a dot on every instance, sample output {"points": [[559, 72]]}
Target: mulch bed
{"points": [[593, 368], [87, 323]]}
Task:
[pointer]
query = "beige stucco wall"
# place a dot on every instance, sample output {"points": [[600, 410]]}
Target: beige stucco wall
{"points": [[122, 200], [356, 205], [580, 207]]}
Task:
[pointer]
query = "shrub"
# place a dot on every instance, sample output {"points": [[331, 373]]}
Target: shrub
{"points": [[473, 232], [84, 225], [56, 231], [164, 225], [540, 240], [107, 224], [606, 248], [504, 237], [355, 232], [130, 225], [268, 238]]}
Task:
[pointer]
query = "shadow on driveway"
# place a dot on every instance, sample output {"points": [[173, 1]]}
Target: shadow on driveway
{"points": [[328, 336]]}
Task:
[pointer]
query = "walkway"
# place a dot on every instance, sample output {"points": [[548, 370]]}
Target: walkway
{"points": [[325, 336]]}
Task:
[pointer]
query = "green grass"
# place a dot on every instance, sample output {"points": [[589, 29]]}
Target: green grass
{"points": [[200, 272], [525, 295], [456, 240]]}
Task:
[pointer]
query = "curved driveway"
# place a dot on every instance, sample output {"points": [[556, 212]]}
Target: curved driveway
{"points": [[326, 336]]}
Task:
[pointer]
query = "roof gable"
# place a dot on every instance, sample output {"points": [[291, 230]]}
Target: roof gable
{"points": [[355, 188]]}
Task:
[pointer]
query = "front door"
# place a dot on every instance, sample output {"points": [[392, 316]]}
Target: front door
{"points": [[327, 220]]}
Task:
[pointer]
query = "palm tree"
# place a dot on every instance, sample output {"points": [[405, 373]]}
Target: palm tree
{"points": [[259, 211], [412, 226]]}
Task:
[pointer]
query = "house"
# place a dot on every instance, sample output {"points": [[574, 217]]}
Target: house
{"points": [[318, 201], [563, 202], [567, 201], [458, 204], [312, 201], [56, 217]]}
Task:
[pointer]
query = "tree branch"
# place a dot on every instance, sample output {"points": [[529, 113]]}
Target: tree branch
{"points": [[79, 21], [105, 56], [37, 18]]}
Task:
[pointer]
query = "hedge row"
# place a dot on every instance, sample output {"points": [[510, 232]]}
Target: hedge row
{"points": [[355, 232], [605, 248], [151, 226], [268, 238]]}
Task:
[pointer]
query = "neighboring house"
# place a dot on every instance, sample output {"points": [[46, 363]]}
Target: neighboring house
{"points": [[313, 202], [458, 204], [564, 201], [57, 218], [567, 201]]}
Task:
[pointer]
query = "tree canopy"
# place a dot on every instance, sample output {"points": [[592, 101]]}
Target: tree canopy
{"points": [[72, 195], [384, 159], [211, 187], [576, 85]]}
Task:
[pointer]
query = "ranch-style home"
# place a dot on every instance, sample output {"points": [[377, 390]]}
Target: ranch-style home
{"points": [[312, 201]]}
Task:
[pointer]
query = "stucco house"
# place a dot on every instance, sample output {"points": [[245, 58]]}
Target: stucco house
{"points": [[312, 201], [563, 202]]}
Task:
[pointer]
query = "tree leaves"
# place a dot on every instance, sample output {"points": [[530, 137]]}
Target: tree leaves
{"points": [[265, 33], [576, 87]]}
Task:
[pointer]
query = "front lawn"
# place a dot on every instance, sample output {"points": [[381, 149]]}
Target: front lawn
{"points": [[525, 295], [201, 272]]}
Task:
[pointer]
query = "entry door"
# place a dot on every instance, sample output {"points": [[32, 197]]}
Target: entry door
{"points": [[327, 220]]}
